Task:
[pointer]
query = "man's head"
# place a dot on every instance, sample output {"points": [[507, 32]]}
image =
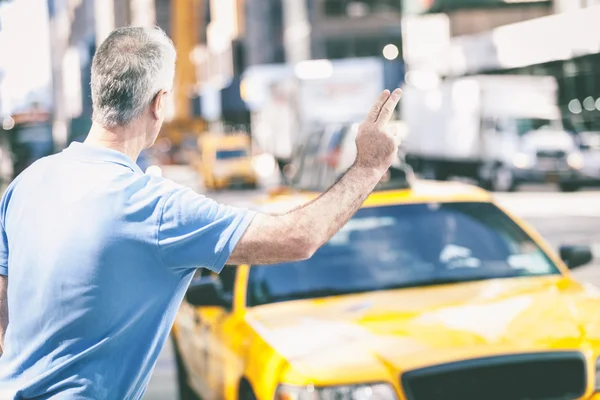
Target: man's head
{"points": [[132, 72]]}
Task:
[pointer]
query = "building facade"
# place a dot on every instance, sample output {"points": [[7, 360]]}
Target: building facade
{"points": [[337, 29], [558, 38], [264, 43]]}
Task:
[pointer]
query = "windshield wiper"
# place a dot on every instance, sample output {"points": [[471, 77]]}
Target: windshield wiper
{"points": [[326, 292], [311, 294], [447, 281]]}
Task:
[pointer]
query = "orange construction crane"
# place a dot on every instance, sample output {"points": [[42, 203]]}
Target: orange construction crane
{"points": [[185, 22]]}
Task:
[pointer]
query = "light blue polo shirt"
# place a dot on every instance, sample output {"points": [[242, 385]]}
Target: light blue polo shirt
{"points": [[98, 257]]}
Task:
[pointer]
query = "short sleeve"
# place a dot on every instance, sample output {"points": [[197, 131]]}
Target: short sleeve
{"points": [[195, 231], [3, 237], [3, 251]]}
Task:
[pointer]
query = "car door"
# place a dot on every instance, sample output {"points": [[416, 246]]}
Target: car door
{"points": [[208, 366], [191, 337], [223, 362]]}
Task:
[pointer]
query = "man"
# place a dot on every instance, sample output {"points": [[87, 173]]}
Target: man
{"points": [[97, 256]]}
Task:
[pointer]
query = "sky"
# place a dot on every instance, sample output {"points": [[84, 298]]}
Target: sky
{"points": [[24, 55]]}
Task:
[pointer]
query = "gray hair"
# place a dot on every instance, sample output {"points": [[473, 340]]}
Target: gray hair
{"points": [[129, 69]]}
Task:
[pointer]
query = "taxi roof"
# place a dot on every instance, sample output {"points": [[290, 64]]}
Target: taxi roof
{"points": [[420, 191]]}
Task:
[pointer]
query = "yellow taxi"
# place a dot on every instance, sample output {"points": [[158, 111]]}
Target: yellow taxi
{"points": [[226, 160], [431, 292]]}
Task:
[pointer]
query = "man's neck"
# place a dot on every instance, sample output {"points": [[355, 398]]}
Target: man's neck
{"points": [[127, 141]]}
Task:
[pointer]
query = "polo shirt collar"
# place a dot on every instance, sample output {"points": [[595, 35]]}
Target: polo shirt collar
{"points": [[87, 152]]}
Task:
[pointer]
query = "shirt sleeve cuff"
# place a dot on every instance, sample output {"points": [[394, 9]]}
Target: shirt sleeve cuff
{"points": [[235, 237], [3, 270]]}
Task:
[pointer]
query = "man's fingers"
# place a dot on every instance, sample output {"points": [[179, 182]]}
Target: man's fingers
{"points": [[388, 107], [374, 113]]}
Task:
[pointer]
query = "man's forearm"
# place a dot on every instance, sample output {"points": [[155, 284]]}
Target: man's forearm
{"points": [[320, 219], [297, 234]]}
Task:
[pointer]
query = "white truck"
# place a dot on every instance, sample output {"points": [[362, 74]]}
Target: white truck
{"points": [[501, 130]]}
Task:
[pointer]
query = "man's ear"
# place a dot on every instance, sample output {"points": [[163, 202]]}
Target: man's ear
{"points": [[158, 104]]}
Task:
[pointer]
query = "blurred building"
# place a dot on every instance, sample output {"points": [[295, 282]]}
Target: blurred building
{"points": [[24, 75], [534, 37], [474, 16], [26, 100], [452, 37], [336, 29], [264, 40], [218, 40], [163, 15], [220, 57], [76, 70], [566, 46]]}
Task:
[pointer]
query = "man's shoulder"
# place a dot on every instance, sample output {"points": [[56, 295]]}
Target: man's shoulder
{"points": [[40, 165], [19, 183], [37, 169]]}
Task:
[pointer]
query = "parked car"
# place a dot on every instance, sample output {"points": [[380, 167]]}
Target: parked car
{"points": [[430, 291], [329, 152], [226, 161]]}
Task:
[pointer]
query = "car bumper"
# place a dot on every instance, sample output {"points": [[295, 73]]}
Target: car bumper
{"points": [[541, 176], [234, 181]]}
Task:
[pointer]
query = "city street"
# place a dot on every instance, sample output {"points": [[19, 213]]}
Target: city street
{"points": [[237, 93], [562, 218]]}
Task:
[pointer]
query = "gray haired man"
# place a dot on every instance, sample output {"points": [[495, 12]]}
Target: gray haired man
{"points": [[95, 256]]}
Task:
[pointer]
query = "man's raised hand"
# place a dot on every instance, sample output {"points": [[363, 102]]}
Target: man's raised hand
{"points": [[376, 144]]}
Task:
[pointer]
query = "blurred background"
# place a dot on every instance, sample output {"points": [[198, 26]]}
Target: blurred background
{"points": [[501, 93], [508, 88]]}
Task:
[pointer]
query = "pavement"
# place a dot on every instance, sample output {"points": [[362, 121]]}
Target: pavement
{"points": [[562, 218]]}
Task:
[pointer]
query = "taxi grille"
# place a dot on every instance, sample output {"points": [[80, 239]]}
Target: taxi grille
{"points": [[551, 154], [540, 376], [551, 160]]}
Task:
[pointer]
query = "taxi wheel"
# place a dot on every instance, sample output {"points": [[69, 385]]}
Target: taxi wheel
{"points": [[184, 389], [503, 180]]}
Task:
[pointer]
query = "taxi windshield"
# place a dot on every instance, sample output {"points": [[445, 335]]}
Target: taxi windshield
{"points": [[230, 154], [403, 246], [526, 125]]}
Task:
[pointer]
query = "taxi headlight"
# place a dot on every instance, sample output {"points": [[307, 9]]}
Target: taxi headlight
{"points": [[575, 161], [264, 164], [374, 391], [522, 160]]}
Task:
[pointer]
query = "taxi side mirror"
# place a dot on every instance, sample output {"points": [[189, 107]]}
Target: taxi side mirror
{"points": [[205, 292], [576, 256]]}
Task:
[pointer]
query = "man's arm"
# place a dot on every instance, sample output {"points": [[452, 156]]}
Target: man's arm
{"points": [[297, 234], [3, 310]]}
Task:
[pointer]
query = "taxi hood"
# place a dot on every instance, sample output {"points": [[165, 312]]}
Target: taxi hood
{"points": [[372, 335]]}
